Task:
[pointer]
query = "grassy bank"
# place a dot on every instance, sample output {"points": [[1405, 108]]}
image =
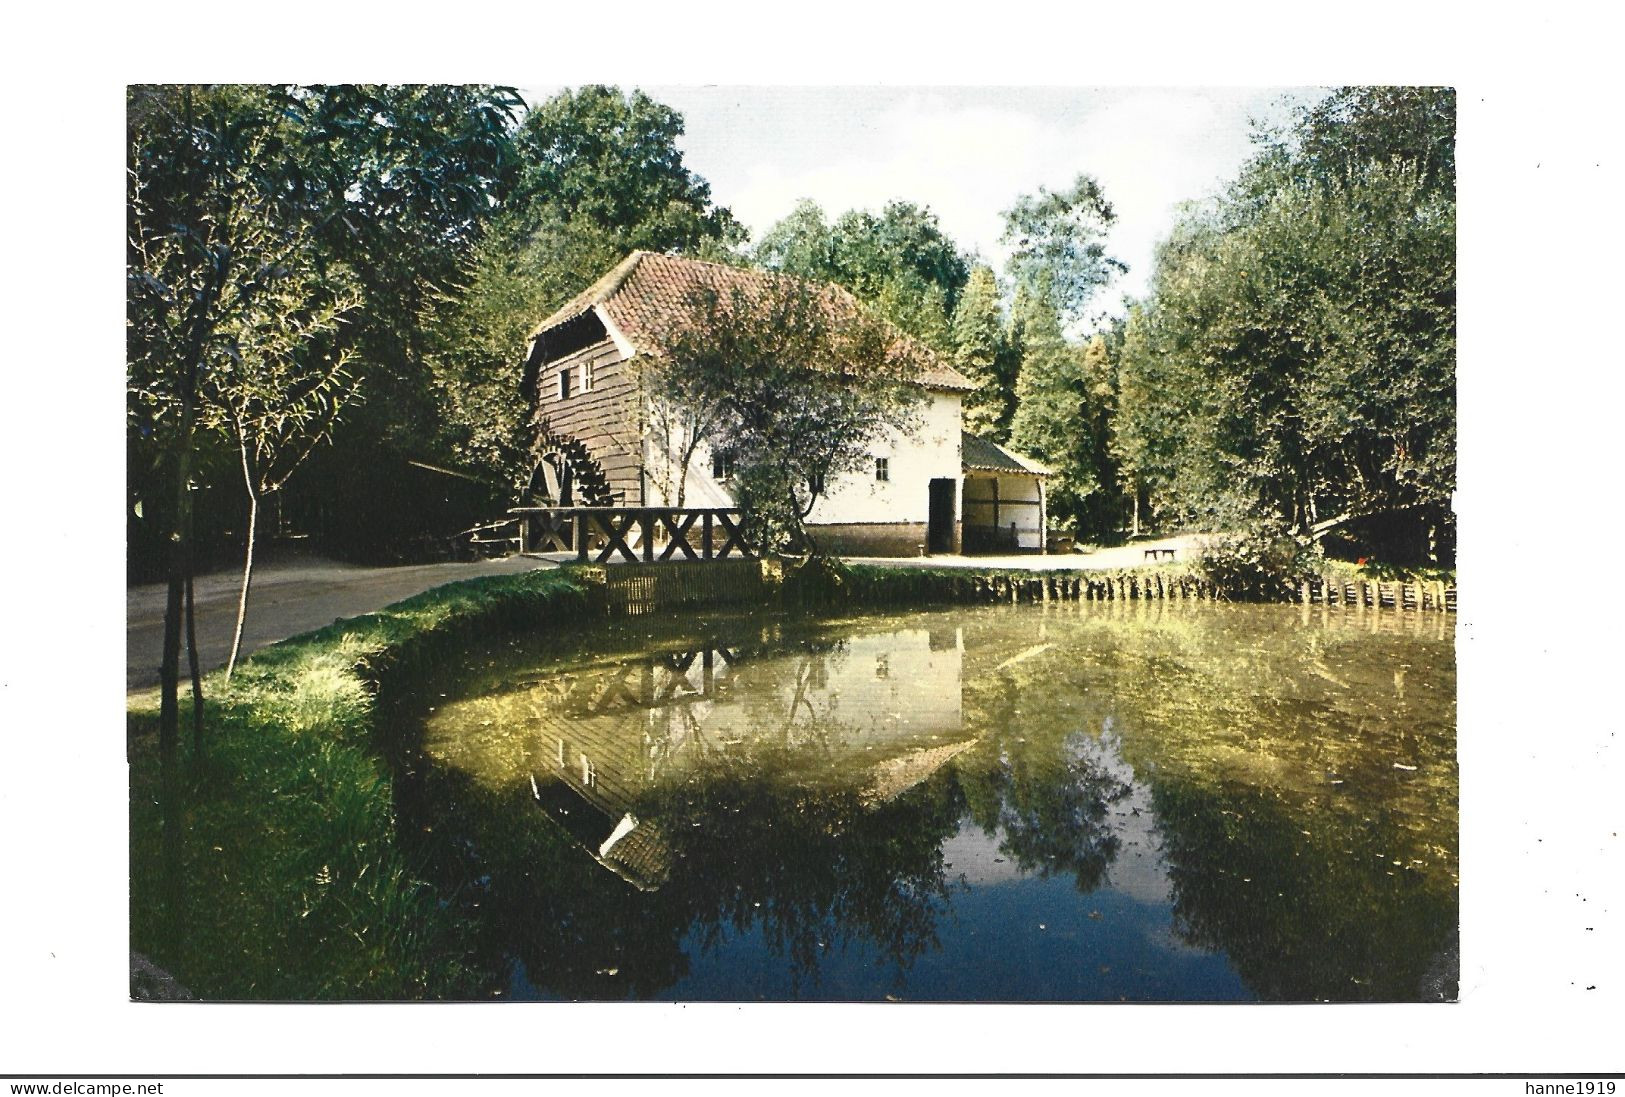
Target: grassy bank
{"points": [[293, 883], [1376, 571], [833, 584]]}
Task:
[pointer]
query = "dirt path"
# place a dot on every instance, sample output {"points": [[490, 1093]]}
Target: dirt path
{"points": [[287, 599], [1121, 556]]}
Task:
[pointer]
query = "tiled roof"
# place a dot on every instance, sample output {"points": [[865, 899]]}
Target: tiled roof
{"points": [[980, 454], [648, 295], [642, 858]]}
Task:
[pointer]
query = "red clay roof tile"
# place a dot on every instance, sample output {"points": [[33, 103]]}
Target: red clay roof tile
{"points": [[647, 294]]}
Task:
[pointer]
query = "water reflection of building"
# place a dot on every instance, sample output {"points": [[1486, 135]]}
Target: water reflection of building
{"points": [[875, 714]]}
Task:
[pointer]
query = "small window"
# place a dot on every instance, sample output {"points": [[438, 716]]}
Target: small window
{"points": [[586, 376], [815, 483], [882, 468], [564, 384], [722, 466]]}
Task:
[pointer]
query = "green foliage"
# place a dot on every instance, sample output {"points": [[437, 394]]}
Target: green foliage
{"points": [[815, 581], [1297, 356], [1065, 400], [986, 352], [478, 340], [1262, 561], [1058, 248], [1049, 399], [1356, 127], [1100, 510], [399, 183], [598, 160], [295, 882], [295, 201], [899, 261], [209, 265], [800, 243], [1062, 398]]}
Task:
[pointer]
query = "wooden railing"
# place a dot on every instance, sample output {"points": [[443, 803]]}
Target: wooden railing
{"points": [[503, 536], [633, 534]]}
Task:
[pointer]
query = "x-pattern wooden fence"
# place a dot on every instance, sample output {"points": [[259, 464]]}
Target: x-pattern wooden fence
{"points": [[633, 534]]}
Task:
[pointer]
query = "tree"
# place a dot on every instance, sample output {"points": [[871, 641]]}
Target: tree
{"points": [[275, 384], [1058, 245], [1048, 422], [900, 262], [598, 159], [393, 184], [214, 263], [985, 351], [801, 243], [399, 183], [1354, 128], [197, 207], [1100, 509], [1297, 357], [802, 383]]}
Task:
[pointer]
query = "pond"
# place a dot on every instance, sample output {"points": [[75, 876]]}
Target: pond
{"points": [[1074, 802]]}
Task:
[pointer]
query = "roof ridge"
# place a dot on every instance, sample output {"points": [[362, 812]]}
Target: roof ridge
{"points": [[601, 290], [618, 275]]}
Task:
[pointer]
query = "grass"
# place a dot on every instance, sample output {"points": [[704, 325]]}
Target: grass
{"points": [[1377, 571], [832, 583], [293, 883]]}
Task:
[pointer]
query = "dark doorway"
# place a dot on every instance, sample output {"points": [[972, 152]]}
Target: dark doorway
{"points": [[939, 530]]}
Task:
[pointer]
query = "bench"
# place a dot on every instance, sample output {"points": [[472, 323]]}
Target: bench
{"points": [[1151, 553]]}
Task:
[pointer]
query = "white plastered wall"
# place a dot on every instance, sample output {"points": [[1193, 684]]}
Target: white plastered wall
{"points": [[914, 459]]}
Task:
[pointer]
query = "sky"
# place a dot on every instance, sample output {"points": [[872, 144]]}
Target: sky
{"points": [[968, 153]]}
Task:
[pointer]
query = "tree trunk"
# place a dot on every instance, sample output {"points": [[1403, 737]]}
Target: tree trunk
{"points": [[192, 662], [248, 560], [179, 565], [169, 678], [1136, 528]]}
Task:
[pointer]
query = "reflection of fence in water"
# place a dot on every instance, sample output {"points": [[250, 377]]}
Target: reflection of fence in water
{"points": [[1161, 587], [1353, 617], [1398, 594], [662, 679], [643, 588]]}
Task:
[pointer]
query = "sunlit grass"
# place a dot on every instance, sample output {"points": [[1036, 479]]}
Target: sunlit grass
{"points": [[293, 883]]}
